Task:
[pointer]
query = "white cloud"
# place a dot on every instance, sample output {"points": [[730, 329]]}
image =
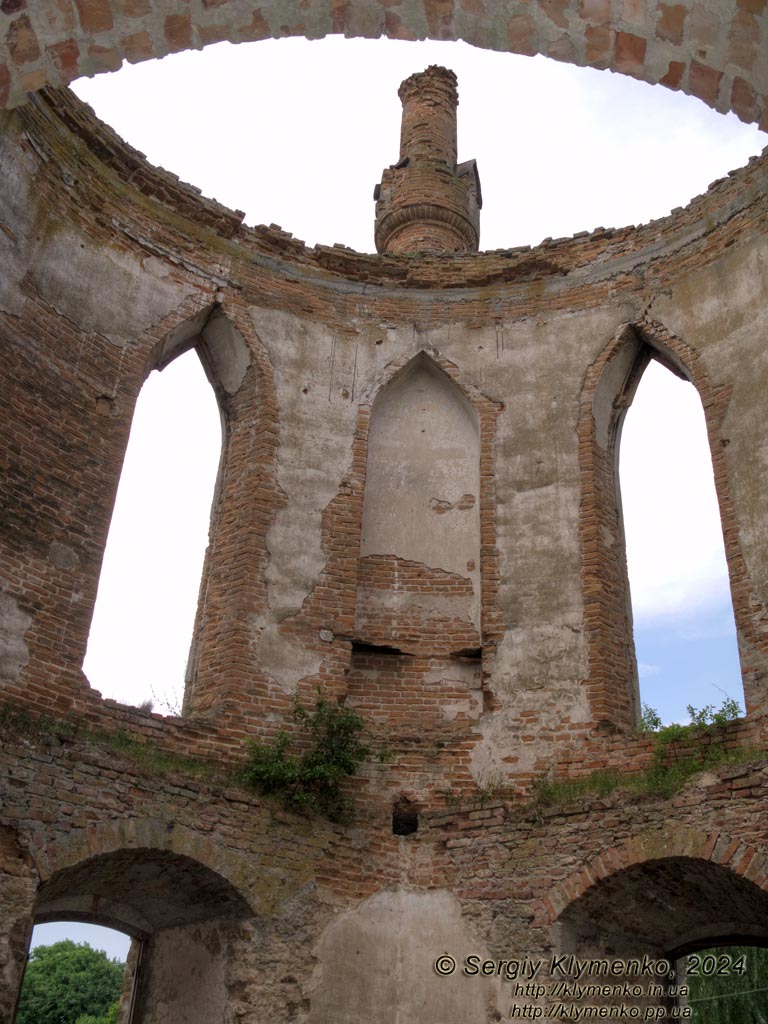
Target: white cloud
{"points": [[646, 671]]}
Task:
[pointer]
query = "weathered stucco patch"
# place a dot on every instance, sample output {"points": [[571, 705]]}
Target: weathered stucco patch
{"points": [[62, 555], [285, 660], [376, 964], [16, 219], [102, 291], [14, 653], [186, 977], [315, 452]]}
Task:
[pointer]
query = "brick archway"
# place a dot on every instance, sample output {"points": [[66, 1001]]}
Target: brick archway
{"points": [[721, 60], [740, 858], [238, 877]]}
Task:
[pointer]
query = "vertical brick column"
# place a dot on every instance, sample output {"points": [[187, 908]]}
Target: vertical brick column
{"points": [[428, 128], [18, 887], [426, 202]]}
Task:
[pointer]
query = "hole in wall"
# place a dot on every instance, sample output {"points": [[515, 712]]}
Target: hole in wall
{"points": [[405, 818], [685, 636], [148, 589], [575, 149], [358, 647]]}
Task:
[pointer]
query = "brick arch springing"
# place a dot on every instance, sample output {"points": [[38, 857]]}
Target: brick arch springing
{"points": [[608, 390], [721, 59], [655, 845], [238, 877], [158, 882]]}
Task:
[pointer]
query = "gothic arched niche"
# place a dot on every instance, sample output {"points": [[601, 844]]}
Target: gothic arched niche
{"points": [[419, 573]]}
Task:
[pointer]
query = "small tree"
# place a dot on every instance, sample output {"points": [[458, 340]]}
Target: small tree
{"points": [[110, 1017], [312, 780], [67, 982]]}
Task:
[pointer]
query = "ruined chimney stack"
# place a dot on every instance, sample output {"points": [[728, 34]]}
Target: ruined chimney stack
{"points": [[427, 202]]}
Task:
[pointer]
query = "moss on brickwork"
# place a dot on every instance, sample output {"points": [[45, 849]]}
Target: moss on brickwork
{"points": [[22, 722]]}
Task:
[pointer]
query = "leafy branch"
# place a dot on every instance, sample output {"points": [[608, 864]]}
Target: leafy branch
{"points": [[311, 780]]}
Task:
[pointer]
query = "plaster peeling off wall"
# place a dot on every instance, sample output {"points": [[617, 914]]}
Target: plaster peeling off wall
{"points": [[376, 964], [14, 623], [419, 579], [185, 979]]}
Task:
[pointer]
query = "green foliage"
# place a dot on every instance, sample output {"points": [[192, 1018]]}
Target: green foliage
{"points": [[700, 718], [733, 997], [68, 981], [35, 726], [110, 1017], [313, 779], [670, 769], [43, 728], [598, 783], [650, 719], [157, 761]]}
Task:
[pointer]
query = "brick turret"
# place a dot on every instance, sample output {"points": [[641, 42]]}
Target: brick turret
{"points": [[427, 202]]}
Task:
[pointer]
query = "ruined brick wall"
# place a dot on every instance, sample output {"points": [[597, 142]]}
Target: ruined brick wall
{"points": [[717, 56], [513, 662], [256, 916], [301, 362]]}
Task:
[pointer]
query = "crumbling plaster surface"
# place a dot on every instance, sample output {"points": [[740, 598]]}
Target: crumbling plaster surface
{"points": [[14, 623], [387, 945], [17, 216], [101, 289], [423, 453], [315, 373], [312, 366], [195, 994]]}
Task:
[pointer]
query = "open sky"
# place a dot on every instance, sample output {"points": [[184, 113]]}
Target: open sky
{"points": [[297, 133]]}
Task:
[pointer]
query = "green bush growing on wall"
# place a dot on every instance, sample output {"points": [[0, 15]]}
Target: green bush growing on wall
{"points": [[311, 780]]}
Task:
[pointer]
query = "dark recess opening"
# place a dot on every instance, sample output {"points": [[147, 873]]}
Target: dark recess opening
{"points": [[405, 818]]}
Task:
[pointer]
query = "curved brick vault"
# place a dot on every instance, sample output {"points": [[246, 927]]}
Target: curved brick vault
{"points": [[643, 853], [719, 55]]}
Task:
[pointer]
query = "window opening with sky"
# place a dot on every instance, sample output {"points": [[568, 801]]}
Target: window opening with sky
{"points": [[685, 636], [561, 150], [150, 579], [568, 149]]}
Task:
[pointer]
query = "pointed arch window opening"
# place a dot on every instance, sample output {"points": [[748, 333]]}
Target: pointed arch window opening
{"points": [[679, 596], [141, 640]]}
